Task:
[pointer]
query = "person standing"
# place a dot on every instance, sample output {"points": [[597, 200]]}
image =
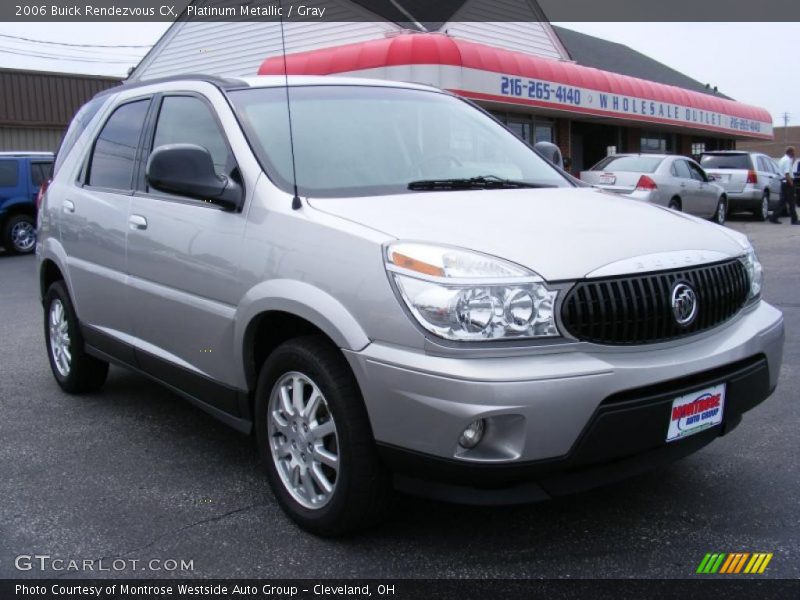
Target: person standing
{"points": [[788, 199]]}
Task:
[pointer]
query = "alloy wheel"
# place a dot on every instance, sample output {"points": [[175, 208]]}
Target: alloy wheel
{"points": [[303, 440], [58, 329], [23, 236], [764, 207]]}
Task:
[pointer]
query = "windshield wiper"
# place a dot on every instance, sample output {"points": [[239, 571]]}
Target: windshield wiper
{"points": [[473, 183]]}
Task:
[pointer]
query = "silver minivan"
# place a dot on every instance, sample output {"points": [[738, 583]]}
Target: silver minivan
{"points": [[391, 292]]}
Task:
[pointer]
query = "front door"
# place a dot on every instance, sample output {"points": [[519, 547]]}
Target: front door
{"points": [[183, 257], [707, 194]]}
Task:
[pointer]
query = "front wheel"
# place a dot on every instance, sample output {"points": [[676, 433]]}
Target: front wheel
{"points": [[19, 234], [316, 442], [75, 371], [721, 211]]}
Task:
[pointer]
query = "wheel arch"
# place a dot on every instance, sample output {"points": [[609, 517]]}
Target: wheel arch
{"points": [[278, 310], [49, 273]]}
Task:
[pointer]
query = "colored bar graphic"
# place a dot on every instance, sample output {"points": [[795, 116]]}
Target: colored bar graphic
{"points": [[728, 564], [704, 563], [740, 564]]}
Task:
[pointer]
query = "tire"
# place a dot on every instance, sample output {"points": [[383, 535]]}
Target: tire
{"points": [[79, 373], [721, 211], [762, 212], [675, 204], [360, 493], [19, 234]]}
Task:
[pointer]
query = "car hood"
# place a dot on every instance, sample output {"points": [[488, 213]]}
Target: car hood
{"points": [[563, 233]]}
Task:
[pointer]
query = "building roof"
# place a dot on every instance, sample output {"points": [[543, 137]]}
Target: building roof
{"points": [[594, 52], [45, 99]]}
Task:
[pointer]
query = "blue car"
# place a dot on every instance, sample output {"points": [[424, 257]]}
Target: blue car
{"points": [[21, 176]]}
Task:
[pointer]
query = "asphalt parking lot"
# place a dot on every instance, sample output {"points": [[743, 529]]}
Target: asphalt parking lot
{"points": [[137, 473]]}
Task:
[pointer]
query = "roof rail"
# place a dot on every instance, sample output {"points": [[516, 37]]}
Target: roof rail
{"points": [[223, 83]]}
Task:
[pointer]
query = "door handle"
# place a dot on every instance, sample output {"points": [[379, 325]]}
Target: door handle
{"points": [[137, 222], [68, 206], [683, 185]]}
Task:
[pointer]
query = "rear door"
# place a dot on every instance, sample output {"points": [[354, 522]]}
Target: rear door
{"points": [[10, 179], [768, 174], [94, 223], [685, 187], [183, 258]]}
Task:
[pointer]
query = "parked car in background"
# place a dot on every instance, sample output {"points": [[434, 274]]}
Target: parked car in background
{"points": [[676, 182], [751, 180], [21, 176]]}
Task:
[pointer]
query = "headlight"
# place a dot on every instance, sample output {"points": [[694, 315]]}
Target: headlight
{"points": [[463, 295], [755, 273]]}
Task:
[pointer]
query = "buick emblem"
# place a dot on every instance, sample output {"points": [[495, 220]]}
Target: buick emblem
{"points": [[684, 304]]}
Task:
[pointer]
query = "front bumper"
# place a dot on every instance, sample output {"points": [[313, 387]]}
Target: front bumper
{"points": [[557, 414]]}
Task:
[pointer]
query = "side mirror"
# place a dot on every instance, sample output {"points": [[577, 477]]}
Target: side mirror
{"points": [[188, 170], [550, 152]]}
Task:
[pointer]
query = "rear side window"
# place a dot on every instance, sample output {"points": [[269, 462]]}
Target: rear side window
{"points": [[40, 172], [726, 161], [680, 168], [634, 164], [9, 173], [76, 128], [189, 120], [114, 153]]}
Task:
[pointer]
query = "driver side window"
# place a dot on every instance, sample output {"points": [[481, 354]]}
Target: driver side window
{"points": [[189, 120], [697, 173]]}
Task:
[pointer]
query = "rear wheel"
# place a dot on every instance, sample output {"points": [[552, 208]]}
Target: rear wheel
{"points": [[315, 440], [762, 212], [75, 371], [721, 211], [19, 234], [675, 204]]}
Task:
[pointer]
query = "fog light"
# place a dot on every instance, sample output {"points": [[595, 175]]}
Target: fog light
{"points": [[472, 435]]}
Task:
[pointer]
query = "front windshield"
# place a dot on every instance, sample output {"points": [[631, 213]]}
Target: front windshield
{"points": [[359, 140]]}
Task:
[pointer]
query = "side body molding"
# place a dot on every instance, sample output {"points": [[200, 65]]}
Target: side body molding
{"points": [[303, 300]]}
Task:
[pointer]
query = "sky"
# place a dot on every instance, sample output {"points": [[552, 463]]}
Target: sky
{"points": [[744, 60]]}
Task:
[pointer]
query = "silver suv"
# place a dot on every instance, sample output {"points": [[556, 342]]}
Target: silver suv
{"points": [[751, 180], [392, 292]]}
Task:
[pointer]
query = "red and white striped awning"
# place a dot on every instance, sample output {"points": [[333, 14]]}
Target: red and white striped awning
{"points": [[484, 72]]}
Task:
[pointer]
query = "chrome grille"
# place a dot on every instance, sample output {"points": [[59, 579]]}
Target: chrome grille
{"points": [[637, 309]]}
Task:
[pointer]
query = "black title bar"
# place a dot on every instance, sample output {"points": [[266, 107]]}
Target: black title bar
{"points": [[415, 14]]}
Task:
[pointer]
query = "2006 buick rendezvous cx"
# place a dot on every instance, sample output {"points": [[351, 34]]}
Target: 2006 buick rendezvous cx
{"points": [[434, 308]]}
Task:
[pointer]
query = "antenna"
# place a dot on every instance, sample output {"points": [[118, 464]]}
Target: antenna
{"points": [[296, 203]]}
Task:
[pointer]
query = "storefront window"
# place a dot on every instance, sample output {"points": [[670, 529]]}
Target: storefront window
{"points": [[530, 128], [544, 132], [698, 148], [656, 143]]}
